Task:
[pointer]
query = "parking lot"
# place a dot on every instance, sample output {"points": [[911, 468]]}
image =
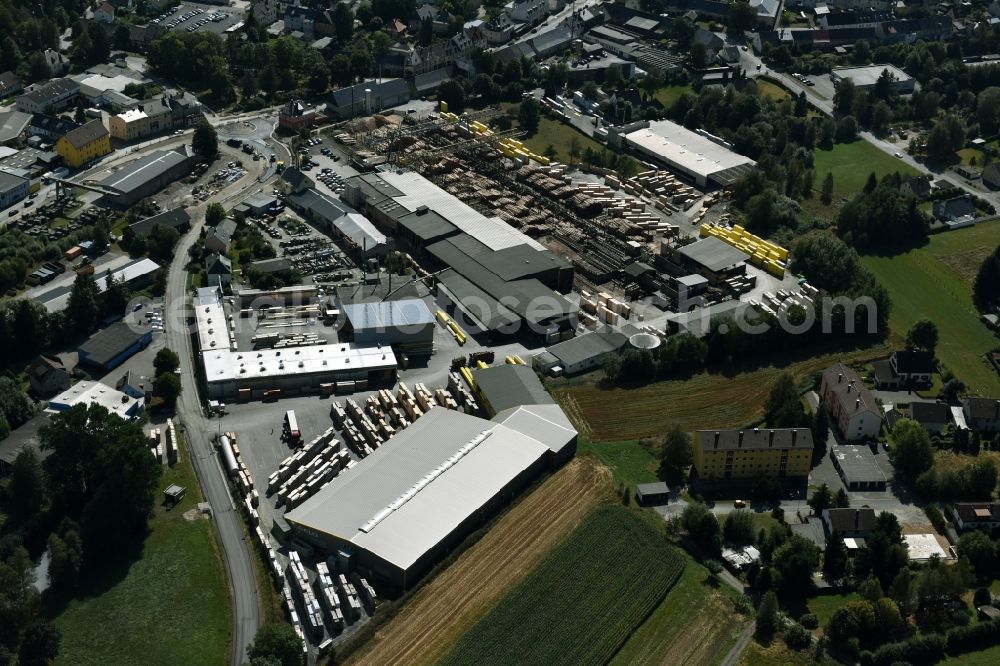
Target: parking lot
{"points": [[327, 165], [191, 18]]}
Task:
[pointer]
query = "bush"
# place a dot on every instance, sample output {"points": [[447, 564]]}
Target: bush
{"points": [[973, 637], [924, 649], [809, 621], [797, 637], [937, 519], [982, 597]]}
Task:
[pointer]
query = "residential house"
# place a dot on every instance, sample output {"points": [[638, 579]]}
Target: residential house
{"points": [[976, 515], [848, 523], [154, 116], [47, 376], [529, 11], [266, 11], [219, 238], [498, 30], [955, 211], [140, 36], [854, 19], [105, 13], [767, 12], [927, 28], [51, 128], [297, 115], [982, 414], [10, 85], [904, 369], [395, 29], [52, 96], [84, 144], [748, 454], [932, 416], [850, 404], [219, 269], [918, 186]]}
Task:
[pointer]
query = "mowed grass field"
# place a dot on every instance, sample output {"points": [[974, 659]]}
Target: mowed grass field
{"points": [[583, 602], [695, 624], [935, 282], [707, 400], [559, 136], [170, 607], [456, 599], [851, 163]]}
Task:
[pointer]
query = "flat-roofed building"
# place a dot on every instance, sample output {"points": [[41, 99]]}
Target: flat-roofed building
{"points": [[425, 489], [857, 467], [703, 159], [714, 259], [502, 387], [407, 325], [96, 393], [865, 78], [777, 453]]}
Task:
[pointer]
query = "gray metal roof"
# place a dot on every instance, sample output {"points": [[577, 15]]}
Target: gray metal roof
{"points": [[587, 346], [506, 386], [139, 172], [546, 423], [427, 226], [858, 464], [714, 254], [422, 516], [12, 124], [109, 343], [383, 315]]}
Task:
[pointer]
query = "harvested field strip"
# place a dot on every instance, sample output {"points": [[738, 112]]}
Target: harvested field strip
{"points": [[695, 624], [708, 400], [458, 598], [583, 602]]}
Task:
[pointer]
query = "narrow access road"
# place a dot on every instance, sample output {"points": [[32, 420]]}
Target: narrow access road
{"points": [[236, 550]]}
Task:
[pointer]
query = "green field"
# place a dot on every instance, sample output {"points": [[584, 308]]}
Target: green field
{"points": [[695, 624], [851, 163], [669, 94], [934, 282], [771, 90], [558, 135], [987, 657], [583, 602], [170, 607], [707, 400], [823, 606], [630, 461]]}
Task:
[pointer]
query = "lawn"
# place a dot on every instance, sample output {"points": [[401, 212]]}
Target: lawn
{"points": [[559, 136], [775, 654], [823, 606], [631, 462], [934, 282], [968, 155], [987, 657], [771, 90], [171, 606], [669, 94], [583, 602], [695, 624], [707, 400], [851, 163]]}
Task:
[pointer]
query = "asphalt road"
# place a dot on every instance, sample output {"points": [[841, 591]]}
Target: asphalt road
{"points": [[235, 549]]}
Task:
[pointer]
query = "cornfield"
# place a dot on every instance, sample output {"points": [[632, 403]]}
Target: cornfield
{"points": [[581, 604]]}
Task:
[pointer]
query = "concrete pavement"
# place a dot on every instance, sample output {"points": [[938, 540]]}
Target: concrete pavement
{"points": [[236, 550]]}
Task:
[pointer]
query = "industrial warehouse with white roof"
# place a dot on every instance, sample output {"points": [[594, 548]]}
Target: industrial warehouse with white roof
{"points": [[426, 488], [702, 158], [249, 374]]}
